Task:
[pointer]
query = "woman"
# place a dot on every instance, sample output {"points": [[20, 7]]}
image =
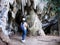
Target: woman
{"points": [[24, 29]]}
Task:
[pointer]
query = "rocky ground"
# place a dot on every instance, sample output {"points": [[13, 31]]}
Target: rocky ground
{"points": [[34, 40]]}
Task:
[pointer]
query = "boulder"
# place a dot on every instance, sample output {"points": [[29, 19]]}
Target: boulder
{"points": [[35, 24]]}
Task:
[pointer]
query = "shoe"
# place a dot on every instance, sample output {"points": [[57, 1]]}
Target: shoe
{"points": [[23, 41]]}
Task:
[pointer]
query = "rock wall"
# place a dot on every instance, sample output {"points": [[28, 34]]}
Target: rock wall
{"points": [[36, 27]]}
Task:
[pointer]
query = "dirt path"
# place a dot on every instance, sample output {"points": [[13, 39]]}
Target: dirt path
{"points": [[37, 40]]}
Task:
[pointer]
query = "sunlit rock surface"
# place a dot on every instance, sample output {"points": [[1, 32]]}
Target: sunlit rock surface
{"points": [[36, 25]]}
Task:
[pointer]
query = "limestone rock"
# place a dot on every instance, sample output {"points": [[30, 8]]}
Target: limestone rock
{"points": [[36, 24]]}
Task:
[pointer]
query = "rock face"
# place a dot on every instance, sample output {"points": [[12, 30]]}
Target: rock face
{"points": [[4, 8], [36, 25], [4, 39]]}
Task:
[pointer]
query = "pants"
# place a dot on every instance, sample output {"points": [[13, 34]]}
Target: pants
{"points": [[24, 32]]}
